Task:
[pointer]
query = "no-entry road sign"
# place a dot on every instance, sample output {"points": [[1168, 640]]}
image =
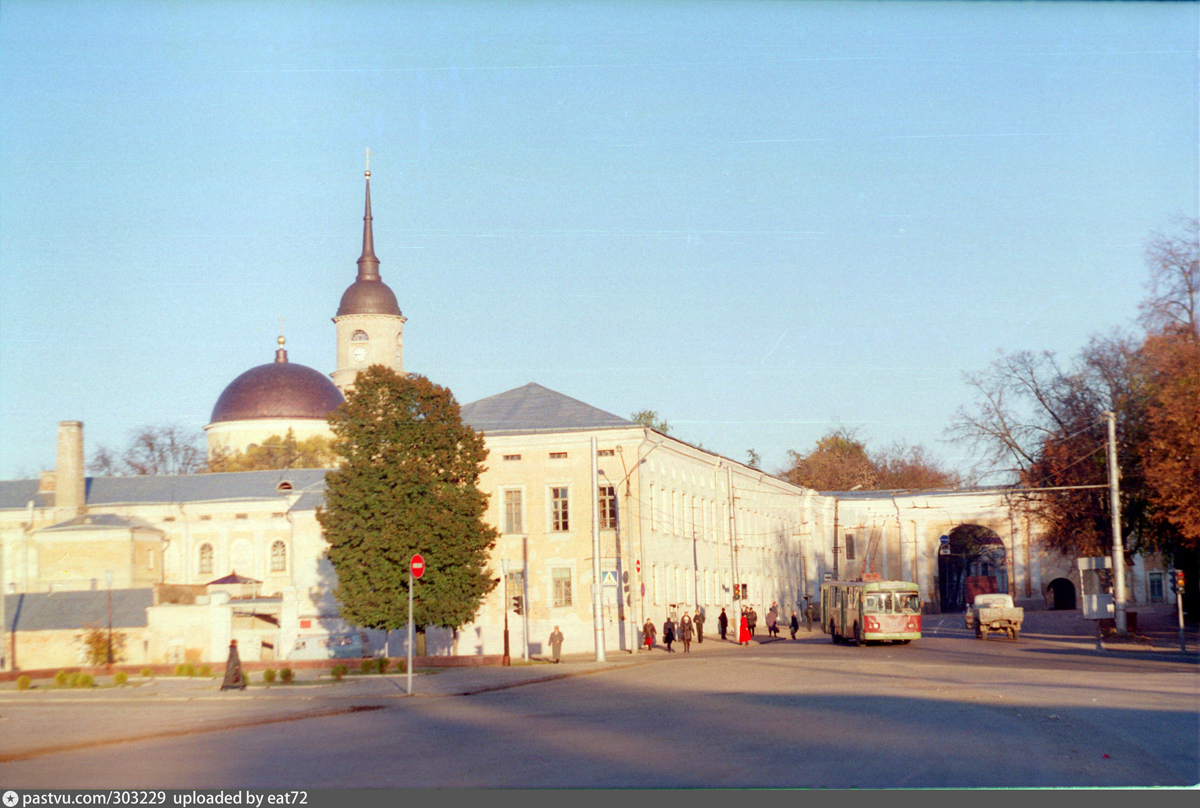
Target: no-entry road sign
{"points": [[418, 566]]}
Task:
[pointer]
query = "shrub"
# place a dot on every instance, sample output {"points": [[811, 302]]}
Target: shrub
{"points": [[95, 642], [147, 673], [366, 665], [339, 671], [286, 676], [383, 663], [205, 671], [186, 669], [83, 680], [120, 678], [61, 678], [73, 678], [24, 682], [269, 675], [179, 670]]}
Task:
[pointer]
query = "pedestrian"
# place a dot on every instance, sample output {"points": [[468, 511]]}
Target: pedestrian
{"points": [[669, 634], [794, 626], [773, 621], [744, 630], [723, 624], [699, 623], [751, 619], [235, 678], [685, 633], [648, 635], [808, 613], [556, 641]]}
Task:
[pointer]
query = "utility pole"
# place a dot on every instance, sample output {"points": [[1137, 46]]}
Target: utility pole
{"points": [[1118, 553], [597, 594]]}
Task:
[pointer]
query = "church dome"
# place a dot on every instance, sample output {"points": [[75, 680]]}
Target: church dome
{"points": [[368, 297], [277, 390]]}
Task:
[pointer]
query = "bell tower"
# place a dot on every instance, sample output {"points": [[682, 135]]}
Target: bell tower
{"points": [[370, 327]]}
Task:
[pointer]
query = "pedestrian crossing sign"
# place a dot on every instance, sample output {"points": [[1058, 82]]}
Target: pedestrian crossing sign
{"points": [[608, 578]]}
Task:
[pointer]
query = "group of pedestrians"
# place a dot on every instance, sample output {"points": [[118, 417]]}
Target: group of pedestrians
{"points": [[689, 627]]}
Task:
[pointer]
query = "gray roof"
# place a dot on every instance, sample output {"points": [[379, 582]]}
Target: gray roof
{"points": [[534, 408], [229, 486], [46, 611], [102, 520]]}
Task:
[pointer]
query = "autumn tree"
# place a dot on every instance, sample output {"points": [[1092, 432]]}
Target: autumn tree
{"points": [[277, 452], [1171, 357], [1040, 423], [842, 462], [649, 418], [153, 450], [407, 482]]}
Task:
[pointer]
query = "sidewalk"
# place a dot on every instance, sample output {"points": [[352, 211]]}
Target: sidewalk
{"points": [[1157, 631]]}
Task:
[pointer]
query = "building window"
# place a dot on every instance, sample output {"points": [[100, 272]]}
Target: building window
{"points": [[608, 507], [512, 457], [561, 576], [206, 559], [359, 336], [605, 453], [561, 511], [1156, 587], [513, 523], [653, 514], [849, 546], [278, 557], [558, 455]]}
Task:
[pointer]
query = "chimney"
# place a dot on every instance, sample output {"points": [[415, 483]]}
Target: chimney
{"points": [[70, 498]]}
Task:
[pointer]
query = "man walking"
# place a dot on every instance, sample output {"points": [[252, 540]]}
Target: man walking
{"points": [[556, 641], [699, 621], [723, 624]]}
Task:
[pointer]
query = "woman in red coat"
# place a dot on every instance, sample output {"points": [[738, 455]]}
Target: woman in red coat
{"points": [[744, 631]]}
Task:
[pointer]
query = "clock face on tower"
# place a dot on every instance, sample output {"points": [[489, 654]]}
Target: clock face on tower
{"points": [[359, 354]]}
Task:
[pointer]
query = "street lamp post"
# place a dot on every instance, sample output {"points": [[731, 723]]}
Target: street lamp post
{"points": [[109, 655], [506, 660]]}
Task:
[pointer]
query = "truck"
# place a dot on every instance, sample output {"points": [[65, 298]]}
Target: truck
{"points": [[995, 613]]}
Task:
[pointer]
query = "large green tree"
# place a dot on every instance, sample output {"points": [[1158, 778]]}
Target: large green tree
{"points": [[407, 483]]}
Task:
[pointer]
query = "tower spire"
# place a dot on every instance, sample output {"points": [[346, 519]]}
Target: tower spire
{"points": [[368, 264]]}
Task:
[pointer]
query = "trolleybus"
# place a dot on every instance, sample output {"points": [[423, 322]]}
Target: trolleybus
{"points": [[870, 609]]}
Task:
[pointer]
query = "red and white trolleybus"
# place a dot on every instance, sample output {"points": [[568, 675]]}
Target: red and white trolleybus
{"points": [[869, 610]]}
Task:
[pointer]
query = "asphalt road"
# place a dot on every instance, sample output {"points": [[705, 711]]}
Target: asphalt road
{"points": [[945, 711]]}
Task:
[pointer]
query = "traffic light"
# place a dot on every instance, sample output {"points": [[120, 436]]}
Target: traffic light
{"points": [[516, 604], [1179, 581]]}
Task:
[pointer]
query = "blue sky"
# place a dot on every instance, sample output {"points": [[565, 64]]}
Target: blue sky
{"points": [[761, 220]]}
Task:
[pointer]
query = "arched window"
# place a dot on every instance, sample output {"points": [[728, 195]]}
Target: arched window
{"points": [[359, 336], [206, 559], [278, 557]]}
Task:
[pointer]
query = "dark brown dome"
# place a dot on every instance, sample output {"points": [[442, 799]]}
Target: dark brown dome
{"points": [[277, 390], [368, 297]]}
